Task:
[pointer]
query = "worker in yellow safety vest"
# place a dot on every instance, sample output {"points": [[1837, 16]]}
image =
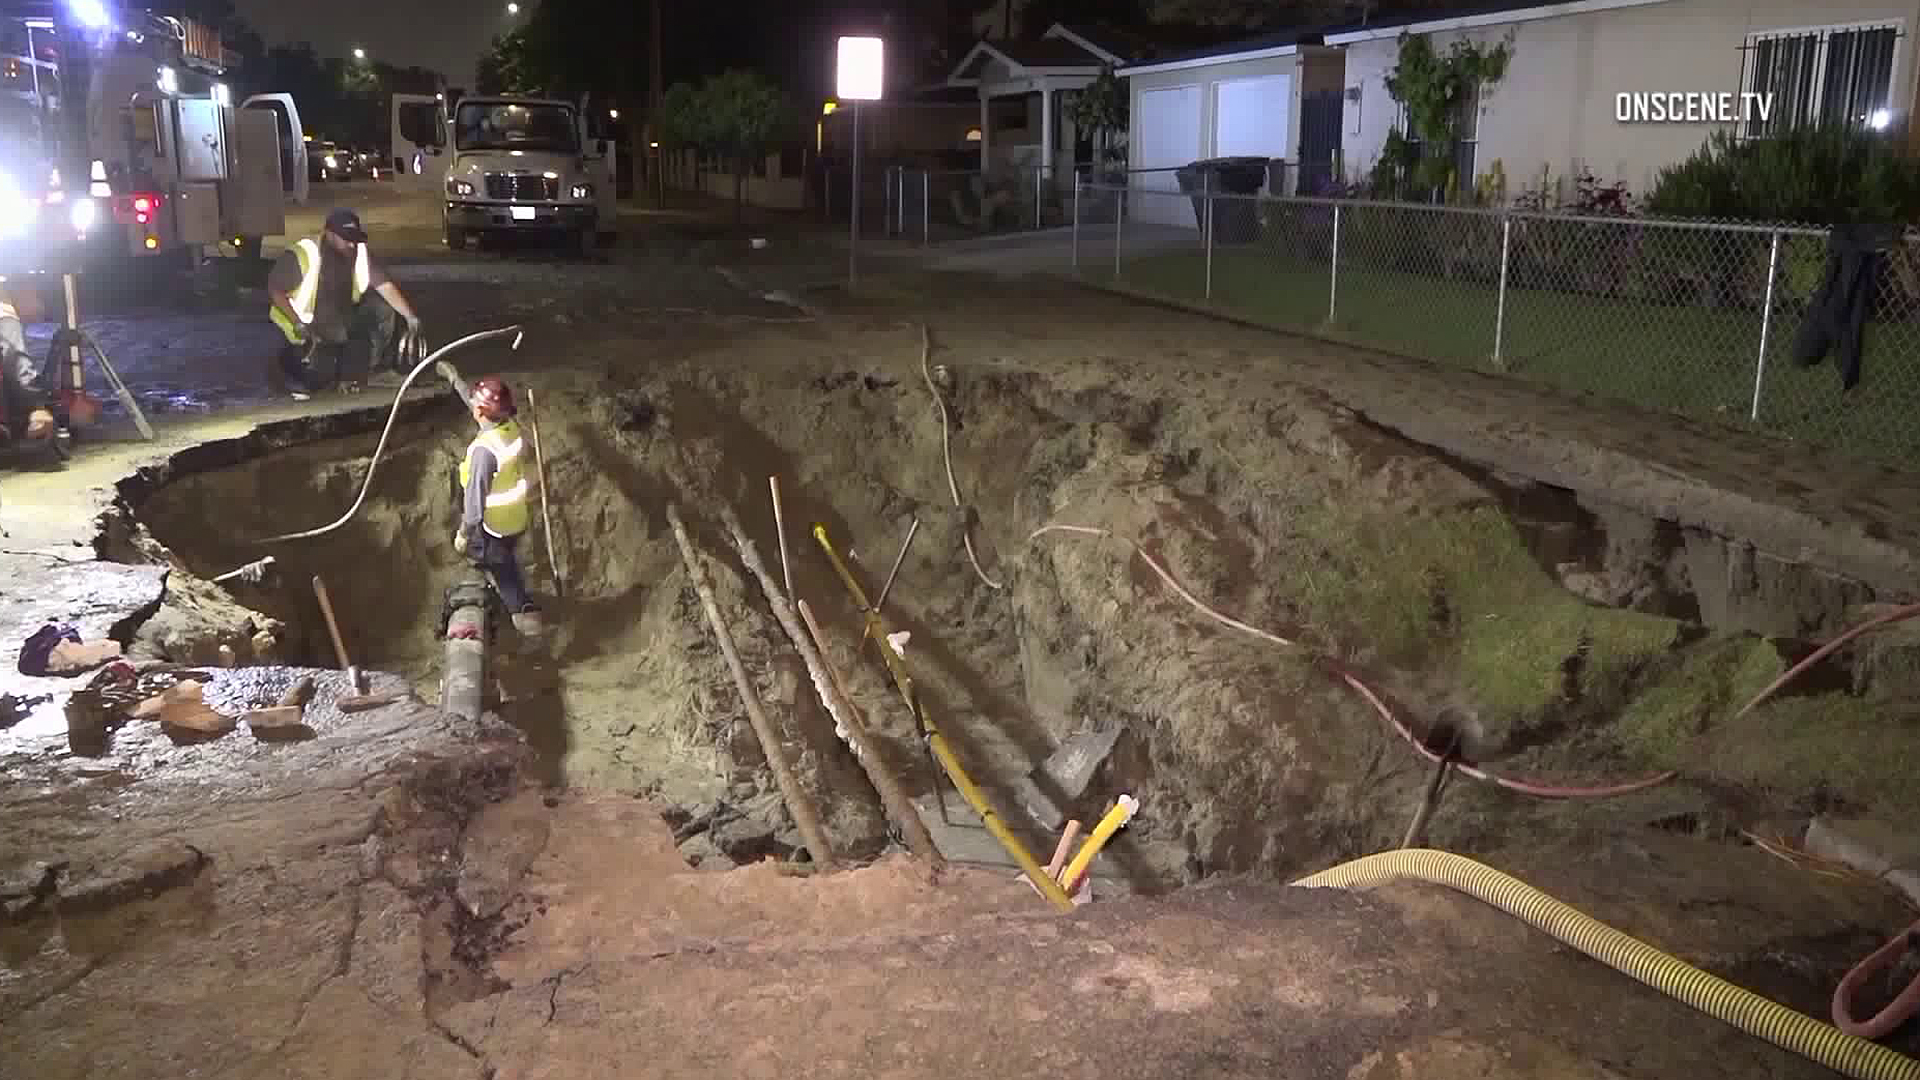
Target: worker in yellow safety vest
{"points": [[338, 310], [493, 483]]}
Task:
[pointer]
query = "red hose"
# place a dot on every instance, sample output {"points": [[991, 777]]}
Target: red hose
{"points": [[1902, 1009]]}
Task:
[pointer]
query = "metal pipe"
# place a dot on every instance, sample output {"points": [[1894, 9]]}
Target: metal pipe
{"points": [[1500, 305], [1076, 219], [806, 816], [897, 561], [1766, 320], [1333, 276], [853, 235], [1207, 232]]}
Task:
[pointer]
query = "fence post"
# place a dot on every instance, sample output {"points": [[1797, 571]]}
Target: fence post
{"points": [[1119, 218], [926, 207], [1039, 197], [1333, 277], [900, 207], [1500, 306], [1206, 238], [1766, 320], [1076, 222]]}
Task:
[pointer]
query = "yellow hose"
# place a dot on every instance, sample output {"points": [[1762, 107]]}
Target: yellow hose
{"points": [[1744, 1009]]}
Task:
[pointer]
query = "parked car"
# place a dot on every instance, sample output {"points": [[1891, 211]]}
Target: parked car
{"points": [[327, 163]]}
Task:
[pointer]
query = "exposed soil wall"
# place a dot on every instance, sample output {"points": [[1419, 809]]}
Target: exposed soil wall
{"points": [[1472, 602]]}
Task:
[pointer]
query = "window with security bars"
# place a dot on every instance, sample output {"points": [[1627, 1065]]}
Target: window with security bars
{"points": [[1466, 141], [1837, 76]]}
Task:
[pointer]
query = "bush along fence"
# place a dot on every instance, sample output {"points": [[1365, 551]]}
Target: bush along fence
{"points": [[1710, 319]]}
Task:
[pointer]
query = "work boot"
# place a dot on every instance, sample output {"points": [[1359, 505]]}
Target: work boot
{"points": [[529, 624]]}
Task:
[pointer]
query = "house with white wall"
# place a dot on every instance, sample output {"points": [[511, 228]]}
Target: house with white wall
{"points": [[1577, 67], [1560, 106], [1239, 99]]}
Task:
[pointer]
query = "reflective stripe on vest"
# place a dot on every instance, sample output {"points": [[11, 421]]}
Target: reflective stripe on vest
{"points": [[307, 293], [506, 500]]}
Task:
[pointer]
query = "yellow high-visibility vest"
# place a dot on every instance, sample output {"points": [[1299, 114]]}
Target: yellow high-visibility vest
{"points": [[506, 511], [302, 299]]}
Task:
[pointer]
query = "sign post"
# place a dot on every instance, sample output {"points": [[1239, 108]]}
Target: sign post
{"points": [[861, 78]]}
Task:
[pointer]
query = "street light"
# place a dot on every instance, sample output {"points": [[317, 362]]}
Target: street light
{"points": [[359, 54], [513, 9], [862, 65], [613, 114]]}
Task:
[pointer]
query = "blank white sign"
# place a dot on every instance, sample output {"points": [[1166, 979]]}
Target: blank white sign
{"points": [[1251, 117], [862, 60]]}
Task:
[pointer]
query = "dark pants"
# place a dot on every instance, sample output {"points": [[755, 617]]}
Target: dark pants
{"points": [[499, 557], [371, 343]]}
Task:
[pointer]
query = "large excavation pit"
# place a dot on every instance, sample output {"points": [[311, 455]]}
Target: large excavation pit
{"points": [[648, 907]]}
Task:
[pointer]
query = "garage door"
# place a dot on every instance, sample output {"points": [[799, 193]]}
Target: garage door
{"points": [[1251, 117], [1168, 123]]}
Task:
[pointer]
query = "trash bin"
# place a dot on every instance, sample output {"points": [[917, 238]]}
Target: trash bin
{"points": [[1235, 221]]}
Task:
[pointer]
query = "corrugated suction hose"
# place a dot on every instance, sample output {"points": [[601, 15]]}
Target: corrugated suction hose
{"points": [[1744, 1009]]}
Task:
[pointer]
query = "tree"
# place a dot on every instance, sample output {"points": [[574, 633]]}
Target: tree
{"points": [[737, 115], [1100, 111]]}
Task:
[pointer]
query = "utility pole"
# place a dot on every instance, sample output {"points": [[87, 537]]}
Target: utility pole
{"points": [[658, 95]]}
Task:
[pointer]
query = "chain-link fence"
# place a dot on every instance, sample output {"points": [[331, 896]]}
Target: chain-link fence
{"points": [[1704, 319]]}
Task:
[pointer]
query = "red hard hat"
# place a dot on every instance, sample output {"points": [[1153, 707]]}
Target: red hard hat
{"points": [[492, 398]]}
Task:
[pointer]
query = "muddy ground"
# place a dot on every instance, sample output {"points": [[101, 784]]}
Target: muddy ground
{"points": [[596, 921]]}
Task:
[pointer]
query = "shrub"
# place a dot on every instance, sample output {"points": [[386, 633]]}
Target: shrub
{"points": [[1819, 176]]}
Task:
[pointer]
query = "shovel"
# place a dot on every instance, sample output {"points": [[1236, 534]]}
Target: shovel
{"points": [[1065, 774]]}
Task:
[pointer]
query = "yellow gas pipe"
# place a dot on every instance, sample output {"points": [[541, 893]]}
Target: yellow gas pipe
{"points": [[876, 628]]}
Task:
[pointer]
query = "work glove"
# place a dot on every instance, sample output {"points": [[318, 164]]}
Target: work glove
{"points": [[460, 541], [40, 424]]}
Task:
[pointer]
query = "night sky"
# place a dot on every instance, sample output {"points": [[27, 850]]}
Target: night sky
{"points": [[446, 35], [790, 41]]}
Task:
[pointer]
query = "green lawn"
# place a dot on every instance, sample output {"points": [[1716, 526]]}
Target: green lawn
{"points": [[1692, 360]]}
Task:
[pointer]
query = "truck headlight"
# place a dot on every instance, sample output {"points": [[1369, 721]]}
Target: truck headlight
{"points": [[459, 187], [331, 163], [583, 191], [83, 214]]}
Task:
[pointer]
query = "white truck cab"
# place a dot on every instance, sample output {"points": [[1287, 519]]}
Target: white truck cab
{"points": [[525, 164]]}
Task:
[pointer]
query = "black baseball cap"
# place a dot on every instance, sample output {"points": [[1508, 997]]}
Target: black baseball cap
{"points": [[346, 225]]}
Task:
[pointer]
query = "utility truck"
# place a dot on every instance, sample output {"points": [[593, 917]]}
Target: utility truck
{"points": [[120, 140], [523, 163]]}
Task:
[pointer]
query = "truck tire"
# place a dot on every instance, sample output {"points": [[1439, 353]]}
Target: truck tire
{"points": [[456, 238]]}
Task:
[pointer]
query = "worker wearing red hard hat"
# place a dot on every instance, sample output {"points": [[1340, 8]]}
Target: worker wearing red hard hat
{"points": [[494, 485]]}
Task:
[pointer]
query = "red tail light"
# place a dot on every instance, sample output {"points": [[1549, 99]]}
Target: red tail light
{"points": [[137, 208]]}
